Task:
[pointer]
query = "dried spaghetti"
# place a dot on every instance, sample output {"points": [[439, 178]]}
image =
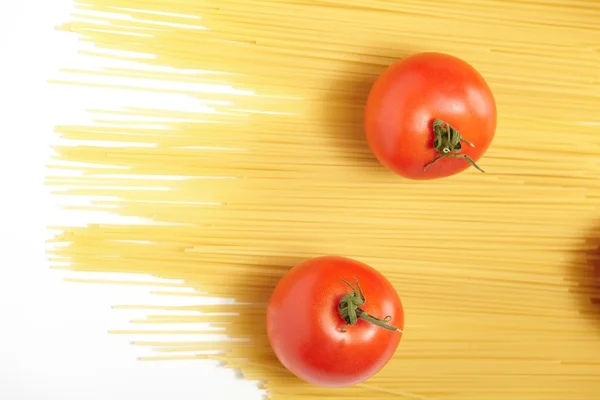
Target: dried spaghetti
{"points": [[498, 273]]}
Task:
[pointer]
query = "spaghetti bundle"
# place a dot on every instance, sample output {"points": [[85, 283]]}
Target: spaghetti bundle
{"points": [[498, 273]]}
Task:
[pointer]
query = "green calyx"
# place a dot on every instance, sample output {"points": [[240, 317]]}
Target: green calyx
{"points": [[448, 142], [350, 311]]}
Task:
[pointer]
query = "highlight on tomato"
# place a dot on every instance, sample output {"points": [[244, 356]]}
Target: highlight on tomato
{"points": [[334, 321], [430, 115]]}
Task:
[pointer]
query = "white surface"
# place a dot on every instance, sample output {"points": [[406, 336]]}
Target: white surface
{"points": [[53, 336]]}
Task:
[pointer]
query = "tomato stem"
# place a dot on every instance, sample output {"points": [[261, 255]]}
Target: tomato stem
{"points": [[447, 142], [350, 311]]}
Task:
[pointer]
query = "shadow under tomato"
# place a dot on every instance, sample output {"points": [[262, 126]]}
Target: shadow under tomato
{"points": [[344, 108], [586, 275], [252, 292]]}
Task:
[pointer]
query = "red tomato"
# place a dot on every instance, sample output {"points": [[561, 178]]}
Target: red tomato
{"points": [[311, 338], [409, 96]]}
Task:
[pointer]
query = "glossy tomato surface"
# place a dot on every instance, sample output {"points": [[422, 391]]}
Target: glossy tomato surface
{"points": [[406, 99], [306, 330]]}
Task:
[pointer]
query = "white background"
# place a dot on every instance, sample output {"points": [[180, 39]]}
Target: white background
{"points": [[53, 334]]}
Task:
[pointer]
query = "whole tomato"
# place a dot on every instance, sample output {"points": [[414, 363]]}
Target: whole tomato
{"points": [[430, 115], [334, 321]]}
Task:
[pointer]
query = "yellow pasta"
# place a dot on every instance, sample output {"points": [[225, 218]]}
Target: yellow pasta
{"points": [[499, 273]]}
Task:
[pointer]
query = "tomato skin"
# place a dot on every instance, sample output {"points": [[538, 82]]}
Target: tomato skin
{"points": [[409, 95], [304, 326]]}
